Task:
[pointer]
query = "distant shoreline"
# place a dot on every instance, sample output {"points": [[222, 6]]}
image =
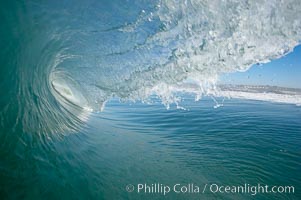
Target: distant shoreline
{"points": [[259, 89]]}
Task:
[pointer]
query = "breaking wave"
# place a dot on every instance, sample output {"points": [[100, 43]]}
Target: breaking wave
{"points": [[71, 57]]}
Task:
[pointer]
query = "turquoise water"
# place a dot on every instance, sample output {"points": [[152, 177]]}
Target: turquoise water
{"points": [[242, 142], [70, 72]]}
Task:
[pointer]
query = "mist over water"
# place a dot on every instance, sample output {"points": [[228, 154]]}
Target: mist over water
{"points": [[62, 61]]}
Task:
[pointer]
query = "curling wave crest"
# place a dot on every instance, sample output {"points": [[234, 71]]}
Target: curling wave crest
{"points": [[73, 56], [133, 50]]}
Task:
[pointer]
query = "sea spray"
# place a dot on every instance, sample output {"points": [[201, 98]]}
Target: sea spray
{"points": [[130, 50]]}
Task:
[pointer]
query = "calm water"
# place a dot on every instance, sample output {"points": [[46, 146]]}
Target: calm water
{"points": [[242, 142]]}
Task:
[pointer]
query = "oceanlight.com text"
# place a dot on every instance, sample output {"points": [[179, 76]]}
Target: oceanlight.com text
{"points": [[192, 188]]}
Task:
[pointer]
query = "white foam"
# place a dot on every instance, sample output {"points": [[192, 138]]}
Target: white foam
{"points": [[271, 97], [68, 93], [174, 42]]}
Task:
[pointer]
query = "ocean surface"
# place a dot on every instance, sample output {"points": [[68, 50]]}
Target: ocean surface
{"points": [[98, 97], [241, 142]]}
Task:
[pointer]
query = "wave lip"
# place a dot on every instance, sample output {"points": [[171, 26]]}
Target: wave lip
{"points": [[132, 51], [69, 60]]}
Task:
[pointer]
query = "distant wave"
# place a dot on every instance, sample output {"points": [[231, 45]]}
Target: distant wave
{"points": [[263, 93], [251, 92], [70, 58]]}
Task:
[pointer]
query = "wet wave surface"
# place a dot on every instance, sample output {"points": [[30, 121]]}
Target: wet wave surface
{"points": [[65, 60]]}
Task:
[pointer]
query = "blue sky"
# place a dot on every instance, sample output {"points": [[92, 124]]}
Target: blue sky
{"points": [[285, 71]]}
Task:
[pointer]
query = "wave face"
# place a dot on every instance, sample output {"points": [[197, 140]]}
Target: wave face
{"points": [[65, 59]]}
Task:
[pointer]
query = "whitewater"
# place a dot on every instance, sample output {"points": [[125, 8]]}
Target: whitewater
{"points": [[153, 49], [73, 58]]}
